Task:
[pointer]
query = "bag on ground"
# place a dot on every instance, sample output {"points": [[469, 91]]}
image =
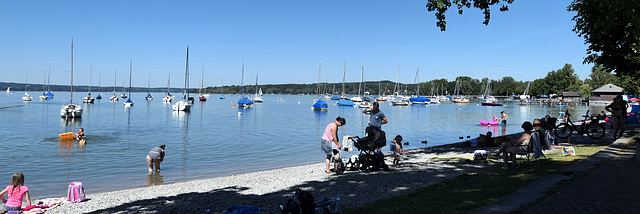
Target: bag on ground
{"points": [[480, 155], [300, 203], [75, 192], [568, 151]]}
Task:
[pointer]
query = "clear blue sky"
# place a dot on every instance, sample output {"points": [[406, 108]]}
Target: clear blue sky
{"points": [[283, 41]]}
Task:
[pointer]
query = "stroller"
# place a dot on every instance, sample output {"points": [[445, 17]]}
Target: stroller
{"points": [[369, 160]]}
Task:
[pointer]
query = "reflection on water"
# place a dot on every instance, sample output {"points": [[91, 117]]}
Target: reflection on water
{"points": [[69, 123], [154, 179]]}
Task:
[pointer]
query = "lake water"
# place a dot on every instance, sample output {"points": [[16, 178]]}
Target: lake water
{"points": [[212, 140]]}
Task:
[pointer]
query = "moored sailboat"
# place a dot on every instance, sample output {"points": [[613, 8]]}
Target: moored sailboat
{"points": [[129, 102], [184, 105], [257, 98], [320, 104], [71, 110], [244, 102], [344, 101], [88, 98]]}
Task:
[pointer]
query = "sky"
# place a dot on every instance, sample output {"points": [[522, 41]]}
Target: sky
{"points": [[281, 41]]}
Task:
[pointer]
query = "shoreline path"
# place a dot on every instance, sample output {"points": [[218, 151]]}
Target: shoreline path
{"points": [[271, 188]]}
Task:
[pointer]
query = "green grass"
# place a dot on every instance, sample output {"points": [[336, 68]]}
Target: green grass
{"points": [[472, 191]]}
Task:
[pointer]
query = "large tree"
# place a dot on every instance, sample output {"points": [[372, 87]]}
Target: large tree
{"points": [[610, 28]]}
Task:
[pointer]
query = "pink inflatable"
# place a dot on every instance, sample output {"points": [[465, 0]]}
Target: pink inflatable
{"points": [[493, 122]]}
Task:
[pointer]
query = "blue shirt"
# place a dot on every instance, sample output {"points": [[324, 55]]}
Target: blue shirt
{"points": [[376, 119]]}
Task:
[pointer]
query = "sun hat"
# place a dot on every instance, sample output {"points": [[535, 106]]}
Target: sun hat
{"points": [[537, 122]]}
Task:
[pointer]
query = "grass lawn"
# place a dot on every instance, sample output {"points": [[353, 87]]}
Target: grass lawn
{"points": [[471, 191]]}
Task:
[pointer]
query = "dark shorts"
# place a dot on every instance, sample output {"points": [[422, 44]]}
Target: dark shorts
{"points": [[504, 122]]}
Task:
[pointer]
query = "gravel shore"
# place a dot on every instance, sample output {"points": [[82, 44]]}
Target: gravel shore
{"points": [[271, 188]]}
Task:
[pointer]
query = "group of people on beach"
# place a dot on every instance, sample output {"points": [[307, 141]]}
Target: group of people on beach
{"points": [[330, 140]]}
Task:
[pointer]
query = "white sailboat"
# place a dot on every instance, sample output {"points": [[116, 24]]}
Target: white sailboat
{"points": [[43, 97], [457, 98], [399, 100], [9, 90], [168, 98], [129, 102], [362, 104], [149, 97], [71, 110], [358, 99], [26, 97], [257, 98], [114, 98], [524, 98], [184, 105], [88, 98]]}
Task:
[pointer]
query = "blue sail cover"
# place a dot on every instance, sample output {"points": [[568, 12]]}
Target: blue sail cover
{"points": [[48, 94], [320, 105], [419, 99], [344, 102], [221, 96], [245, 101], [128, 101], [335, 98], [148, 96]]}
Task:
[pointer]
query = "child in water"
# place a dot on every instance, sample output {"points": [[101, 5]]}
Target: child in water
{"points": [[16, 190], [503, 118], [397, 144]]}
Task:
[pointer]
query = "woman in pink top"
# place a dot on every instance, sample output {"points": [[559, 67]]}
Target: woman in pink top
{"points": [[331, 136], [16, 190]]}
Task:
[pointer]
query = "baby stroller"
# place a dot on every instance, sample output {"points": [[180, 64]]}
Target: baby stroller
{"points": [[369, 160]]}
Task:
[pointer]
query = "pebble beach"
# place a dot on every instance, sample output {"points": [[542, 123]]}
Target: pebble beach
{"points": [[271, 188]]}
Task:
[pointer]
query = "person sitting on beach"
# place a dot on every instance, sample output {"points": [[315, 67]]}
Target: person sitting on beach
{"points": [[330, 137], [155, 156], [512, 145], [603, 115], [16, 190], [485, 140], [397, 150], [80, 134]]}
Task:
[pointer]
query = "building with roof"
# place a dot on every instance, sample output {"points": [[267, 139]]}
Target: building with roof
{"points": [[605, 93]]}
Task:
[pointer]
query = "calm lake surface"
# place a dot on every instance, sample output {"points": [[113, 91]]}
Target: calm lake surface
{"points": [[213, 139]]}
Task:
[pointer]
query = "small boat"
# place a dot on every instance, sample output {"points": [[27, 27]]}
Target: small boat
{"points": [[365, 105], [129, 102], [168, 98], [344, 101], [201, 96], [460, 99], [221, 97], [335, 98], [183, 105], [26, 97], [490, 101], [257, 98], [71, 110], [149, 97], [400, 102], [319, 105], [244, 102], [88, 98]]}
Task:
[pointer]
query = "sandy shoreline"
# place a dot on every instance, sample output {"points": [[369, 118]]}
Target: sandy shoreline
{"points": [[270, 188]]}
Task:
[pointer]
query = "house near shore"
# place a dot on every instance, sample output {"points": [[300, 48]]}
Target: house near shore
{"points": [[571, 96], [605, 94]]}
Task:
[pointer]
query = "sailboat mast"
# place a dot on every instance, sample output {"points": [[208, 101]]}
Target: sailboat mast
{"points": [[115, 81], [242, 79], [319, 79], [201, 81], [90, 77], [49, 79], [130, 70], [361, 78], [344, 75], [186, 75], [71, 101]]}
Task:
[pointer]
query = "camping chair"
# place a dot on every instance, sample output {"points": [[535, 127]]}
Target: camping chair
{"points": [[532, 150]]}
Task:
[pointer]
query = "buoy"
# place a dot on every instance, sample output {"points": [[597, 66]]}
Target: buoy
{"points": [[239, 113], [298, 102], [234, 105], [461, 137]]}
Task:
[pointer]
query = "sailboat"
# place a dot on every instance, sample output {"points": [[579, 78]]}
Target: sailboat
{"points": [[244, 102], [343, 99], [71, 110], [149, 97], [399, 100], [114, 98], [129, 102], [26, 97], [99, 78], [257, 97], [524, 98], [221, 87], [183, 105], [363, 103], [320, 104], [48, 94], [459, 98], [88, 98], [489, 100], [9, 90], [168, 98], [419, 100], [200, 95], [43, 97]]}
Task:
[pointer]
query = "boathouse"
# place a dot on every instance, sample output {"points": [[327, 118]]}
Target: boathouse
{"points": [[605, 93]]}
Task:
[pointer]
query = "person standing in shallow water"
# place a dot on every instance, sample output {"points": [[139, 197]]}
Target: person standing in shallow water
{"points": [[330, 137], [155, 156], [503, 118]]}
